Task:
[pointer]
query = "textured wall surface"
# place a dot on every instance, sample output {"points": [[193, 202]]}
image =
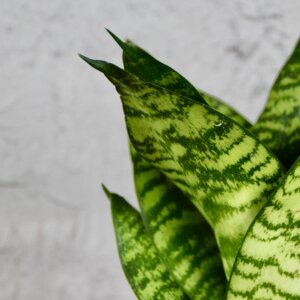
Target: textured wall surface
{"points": [[61, 124]]}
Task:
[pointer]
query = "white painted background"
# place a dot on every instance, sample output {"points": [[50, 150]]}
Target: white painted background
{"points": [[61, 124]]}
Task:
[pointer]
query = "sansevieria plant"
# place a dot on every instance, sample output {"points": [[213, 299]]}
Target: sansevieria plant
{"points": [[219, 197]]}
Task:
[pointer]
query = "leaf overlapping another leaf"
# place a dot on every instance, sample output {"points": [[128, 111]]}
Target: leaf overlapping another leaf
{"points": [[184, 240], [141, 263], [226, 172], [225, 109], [268, 264], [278, 127]]}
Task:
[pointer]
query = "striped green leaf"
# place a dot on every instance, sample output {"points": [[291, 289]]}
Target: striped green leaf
{"points": [[227, 173], [278, 127], [184, 240], [268, 264], [225, 109], [140, 63], [142, 266]]}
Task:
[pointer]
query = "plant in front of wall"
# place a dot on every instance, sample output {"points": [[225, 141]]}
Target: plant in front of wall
{"points": [[219, 214]]}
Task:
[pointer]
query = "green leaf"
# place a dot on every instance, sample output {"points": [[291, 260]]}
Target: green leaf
{"points": [[278, 127], [184, 240], [268, 264], [140, 63], [225, 109], [227, 173], [145, 272]]}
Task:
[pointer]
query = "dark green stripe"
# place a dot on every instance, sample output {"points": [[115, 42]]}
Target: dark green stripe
{"points": [[142, 266], [278, 127], [270, 255]]}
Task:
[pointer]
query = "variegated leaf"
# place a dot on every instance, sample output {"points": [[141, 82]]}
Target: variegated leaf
{"points": [[142, 266], [227, 173], [184, 240], [140, 63], [278, 127], [268, 264]]}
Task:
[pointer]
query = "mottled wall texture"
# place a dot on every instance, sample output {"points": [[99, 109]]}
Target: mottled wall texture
{"points": [[62, 129]]}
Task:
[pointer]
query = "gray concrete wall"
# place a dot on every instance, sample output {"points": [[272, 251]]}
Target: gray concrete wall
{"points": [[62, 130]]}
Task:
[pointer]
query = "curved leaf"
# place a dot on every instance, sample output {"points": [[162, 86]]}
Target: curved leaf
{"points": [[226, 172], [278, 127], [145, 272], [268, 264], [184, 240]]}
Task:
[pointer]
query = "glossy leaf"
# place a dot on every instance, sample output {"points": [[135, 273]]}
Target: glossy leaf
{"points": [[145, 272], [278, 127], [268, 265], [184, 240], [226, 172]]}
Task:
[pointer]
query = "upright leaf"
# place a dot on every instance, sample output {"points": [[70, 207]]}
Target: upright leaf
{"points": [[268, 264], [226, 172], [184, 240], [140, 63], [278, 127], [145, 272]]}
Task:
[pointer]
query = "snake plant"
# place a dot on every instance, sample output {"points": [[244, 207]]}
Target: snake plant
{"points": [[219, 197]]}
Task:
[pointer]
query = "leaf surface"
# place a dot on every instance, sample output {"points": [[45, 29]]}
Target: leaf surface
{"points": [[268, 264], [227, 173], [140, 63], [142, 266], [184, 240], [225, 109], [278, 127]]}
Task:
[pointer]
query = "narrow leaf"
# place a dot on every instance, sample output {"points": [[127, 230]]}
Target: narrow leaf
{"points": [[184, 240], [145, 272], [268, 264], [227, 173], [278, 127], [140, 63]]}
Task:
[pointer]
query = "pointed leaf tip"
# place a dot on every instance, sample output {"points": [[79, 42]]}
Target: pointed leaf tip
{"points": [[106, 191], [100, 65], [117, 40], [87, 60]]}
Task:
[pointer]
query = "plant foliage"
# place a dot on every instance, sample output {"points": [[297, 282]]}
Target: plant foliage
{"points": [[217, 206]]}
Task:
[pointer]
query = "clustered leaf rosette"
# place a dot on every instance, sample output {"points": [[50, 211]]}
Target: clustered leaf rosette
{"points": [[219, 197]]}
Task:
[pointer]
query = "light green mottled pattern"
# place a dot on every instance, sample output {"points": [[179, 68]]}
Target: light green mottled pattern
{"points": [[268, 265], [142, 266], [225, 109], [278, 127], [140, 63], [184, 240], [226, 172]]}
